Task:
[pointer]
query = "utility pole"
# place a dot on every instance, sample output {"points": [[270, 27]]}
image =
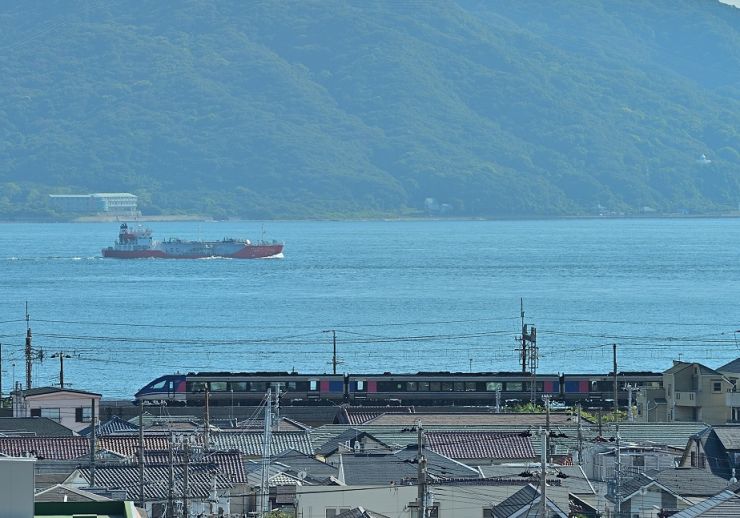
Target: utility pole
{"points": [[618, 477], [616, 401], [534, 358], [498, 400], [334, 361], [630, 412], [93, 445], [141, 453], [170, 481], [207, 427], [266, 444], [580, 436], [421, 462], [29, 353], [543, 474], [61, 357], [186, 480], [524, 338], [1, 374]]}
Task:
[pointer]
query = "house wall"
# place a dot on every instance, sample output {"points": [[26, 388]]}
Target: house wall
{"points": [[16, 487], [66, 403], [313, 501], [695, 396]]}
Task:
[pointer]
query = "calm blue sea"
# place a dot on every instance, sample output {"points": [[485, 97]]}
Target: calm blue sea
{"points": [[401, 295]]}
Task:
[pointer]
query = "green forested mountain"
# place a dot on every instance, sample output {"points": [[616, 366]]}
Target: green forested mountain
{"points": [[319, 108]]}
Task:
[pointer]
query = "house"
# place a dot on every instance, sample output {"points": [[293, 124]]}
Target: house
{"points": [[646, 494], [526, 503], [692, 392], [16, 486], [351, 440], [106, 509], [70, 408], [715, 449], [250, 442], [599, 459], [731, 371]]}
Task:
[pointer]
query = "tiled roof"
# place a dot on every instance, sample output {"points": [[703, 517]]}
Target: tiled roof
{"points": [[348, 437], [722, 505], [689, 482], [360, 415], [729, 436], [481, 445], [228, 463], [522, 499], [679, 366], [400, 468], [128, 445], [671, 434], [57, 448], [200, 480], [471, 419], [250, 443], [733, 366], [114, 425], [298, 462], [32, 426], [360, 512], [572, 478]]}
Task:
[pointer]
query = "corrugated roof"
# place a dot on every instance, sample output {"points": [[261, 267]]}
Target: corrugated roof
{"points": [[40, 391], [64, 493]]}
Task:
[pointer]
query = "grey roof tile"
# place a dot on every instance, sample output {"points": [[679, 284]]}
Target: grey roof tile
{"points": [[481, 445], [250, 443], [32, 426]]}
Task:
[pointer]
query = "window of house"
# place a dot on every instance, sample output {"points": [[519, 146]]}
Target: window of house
{"points": [[54, 414], [83, 414], [716, 386], [35, 412]]}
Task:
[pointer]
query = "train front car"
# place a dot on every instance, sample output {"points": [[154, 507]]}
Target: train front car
{"points": [[167, 390]]}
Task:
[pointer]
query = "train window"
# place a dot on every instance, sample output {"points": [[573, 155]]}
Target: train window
{"points": [[424, 386], [360, 385], [470, 386], [195, 386], [257, 386], [435, 386], [459, 386], [291, 385], [412, 386], [446, 386], [219, 386], [540, 386], [159, 386], [400, 386], [493, 386], [313, 385], [514, 386], [238, 386]]}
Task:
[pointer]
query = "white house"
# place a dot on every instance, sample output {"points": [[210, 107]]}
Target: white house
{"points": [[70, 408]]}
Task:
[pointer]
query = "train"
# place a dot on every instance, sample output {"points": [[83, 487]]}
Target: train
{"points": [[421, 388]]}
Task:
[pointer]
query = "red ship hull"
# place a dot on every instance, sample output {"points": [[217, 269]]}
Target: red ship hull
{"points": [[247, 252]]}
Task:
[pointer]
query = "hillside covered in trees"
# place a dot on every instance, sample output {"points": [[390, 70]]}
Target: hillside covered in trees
{"points": [[322, 108]]}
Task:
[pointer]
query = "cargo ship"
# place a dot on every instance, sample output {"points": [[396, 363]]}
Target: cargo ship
{"points": [[137, 243]]}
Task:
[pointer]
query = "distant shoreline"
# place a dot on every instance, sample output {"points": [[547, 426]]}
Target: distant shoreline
{"points": [[193, 217]]}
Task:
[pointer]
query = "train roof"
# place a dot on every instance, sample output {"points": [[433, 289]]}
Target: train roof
{"points": [[425, 373]]}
